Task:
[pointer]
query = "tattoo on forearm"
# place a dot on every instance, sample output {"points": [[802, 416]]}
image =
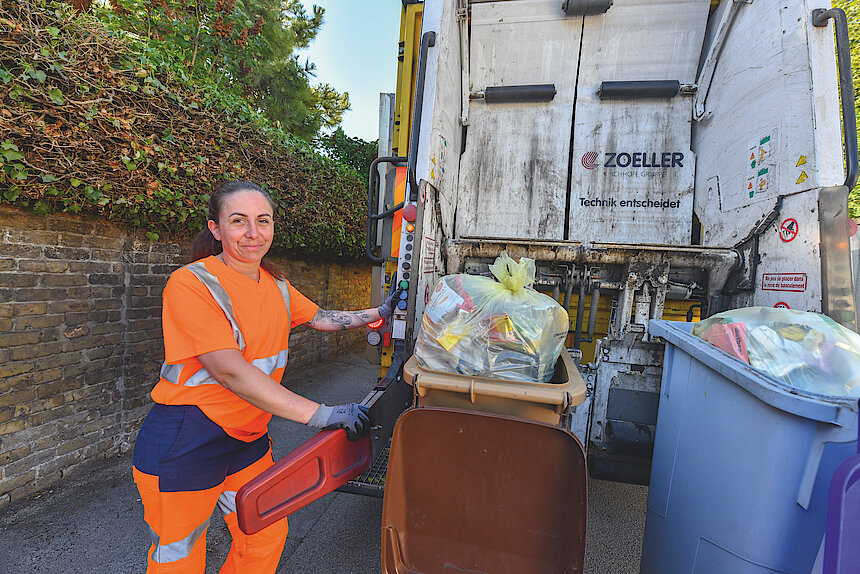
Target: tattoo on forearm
{"points": [[339, 320]]}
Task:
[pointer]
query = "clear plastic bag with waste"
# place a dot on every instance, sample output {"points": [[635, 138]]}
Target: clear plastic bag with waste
{"points": [[503, 329], [805, 350]]}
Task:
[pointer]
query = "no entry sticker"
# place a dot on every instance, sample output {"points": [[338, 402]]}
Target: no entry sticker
{"points": [[788, 230]]}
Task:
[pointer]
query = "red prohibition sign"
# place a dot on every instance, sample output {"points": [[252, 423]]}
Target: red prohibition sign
{"points": [[781, 305], [788, 230]]}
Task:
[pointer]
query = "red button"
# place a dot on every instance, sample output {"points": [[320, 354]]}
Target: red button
{"points": [[410, 211]]}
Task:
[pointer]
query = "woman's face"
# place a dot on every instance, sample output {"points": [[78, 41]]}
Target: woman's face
{"points": [[245, 226]]}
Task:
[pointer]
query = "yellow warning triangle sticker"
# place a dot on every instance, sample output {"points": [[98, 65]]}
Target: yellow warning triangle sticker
{"points": [[749, 186], [801, 161], [752, 155], [803, 177]]}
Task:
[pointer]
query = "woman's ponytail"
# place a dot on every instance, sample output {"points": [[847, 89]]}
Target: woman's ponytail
{"points": [[204, 245]]}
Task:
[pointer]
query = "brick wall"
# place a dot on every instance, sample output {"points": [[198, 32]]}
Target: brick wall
{"points": [[80, 338]]}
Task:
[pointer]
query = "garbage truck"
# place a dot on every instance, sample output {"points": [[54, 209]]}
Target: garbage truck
{"points": [[657, 160]]}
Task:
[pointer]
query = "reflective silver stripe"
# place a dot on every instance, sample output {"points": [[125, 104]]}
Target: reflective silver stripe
{"points": [[227, 502], [171, 372], [201, 377], [163, 553], [198, 268], [271, 364], [285, 293]]}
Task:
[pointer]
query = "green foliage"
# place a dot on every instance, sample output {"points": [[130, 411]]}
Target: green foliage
{"points": [[244, 47], [354, 152], [99, 122]]}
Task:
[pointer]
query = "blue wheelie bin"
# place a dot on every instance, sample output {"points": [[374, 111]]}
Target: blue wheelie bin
{"points": [[742, 464]]}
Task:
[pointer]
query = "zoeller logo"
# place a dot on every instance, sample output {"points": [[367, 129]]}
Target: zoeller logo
{"points": [[614, 159], [588, 160]]}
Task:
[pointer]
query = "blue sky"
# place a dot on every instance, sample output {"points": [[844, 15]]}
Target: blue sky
{"points": [[356, 52]]}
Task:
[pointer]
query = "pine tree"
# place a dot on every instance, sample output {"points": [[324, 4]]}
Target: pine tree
{"points": [[248, 46]]}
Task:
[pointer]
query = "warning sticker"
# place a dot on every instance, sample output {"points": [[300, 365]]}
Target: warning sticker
{"points": [[784, 282], [781, 305], [428, 262], [788, 230], [760, 168]]}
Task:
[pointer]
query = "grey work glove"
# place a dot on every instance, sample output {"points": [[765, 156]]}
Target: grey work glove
{"points": [[351, 417], [387, 308]]}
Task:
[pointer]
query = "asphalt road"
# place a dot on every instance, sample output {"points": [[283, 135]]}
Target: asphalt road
{"points": [[93, 522]]}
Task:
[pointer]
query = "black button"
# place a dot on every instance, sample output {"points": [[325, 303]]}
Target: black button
{"points": [[408, 256], [407, 265], [408, 247], [410, 237], [406, 275]]}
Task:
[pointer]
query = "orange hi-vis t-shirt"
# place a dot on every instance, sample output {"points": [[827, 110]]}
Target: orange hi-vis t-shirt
{"points": [[193, 324]]}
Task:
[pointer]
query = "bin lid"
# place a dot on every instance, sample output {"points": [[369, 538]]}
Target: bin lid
{"points": [[476, 492], [322, 463]]}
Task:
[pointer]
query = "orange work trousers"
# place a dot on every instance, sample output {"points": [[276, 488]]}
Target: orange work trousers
{"points": [[178, 522]]}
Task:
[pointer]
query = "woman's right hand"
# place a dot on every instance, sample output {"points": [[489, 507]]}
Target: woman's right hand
{"points": [[351, 417]]}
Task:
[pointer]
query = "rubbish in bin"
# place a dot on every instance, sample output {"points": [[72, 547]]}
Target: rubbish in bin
{"points": [[805, 350], [477, 326]]}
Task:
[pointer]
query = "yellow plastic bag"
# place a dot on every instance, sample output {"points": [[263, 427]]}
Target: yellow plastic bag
{"points": [[502, 329]]}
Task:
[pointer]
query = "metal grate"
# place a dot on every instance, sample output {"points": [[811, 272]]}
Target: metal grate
{"points": [[376, 474], [372, 482]]}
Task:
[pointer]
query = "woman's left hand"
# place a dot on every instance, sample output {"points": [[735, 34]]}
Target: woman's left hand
{"points": [[387, 308]]}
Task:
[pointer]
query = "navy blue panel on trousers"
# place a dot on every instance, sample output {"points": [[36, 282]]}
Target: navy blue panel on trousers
{"points": [[187, 451]]}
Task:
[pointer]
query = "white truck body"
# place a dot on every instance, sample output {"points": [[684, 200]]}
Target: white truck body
{"points": [[728, 191]]}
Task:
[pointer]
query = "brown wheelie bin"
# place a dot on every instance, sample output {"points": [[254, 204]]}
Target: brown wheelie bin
{"points": [[483, 478]]}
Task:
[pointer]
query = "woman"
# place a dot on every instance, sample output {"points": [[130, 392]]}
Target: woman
{"points": [[226, 322]]}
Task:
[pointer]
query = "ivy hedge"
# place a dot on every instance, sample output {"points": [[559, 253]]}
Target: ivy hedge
{"points": [[92, 122]]}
